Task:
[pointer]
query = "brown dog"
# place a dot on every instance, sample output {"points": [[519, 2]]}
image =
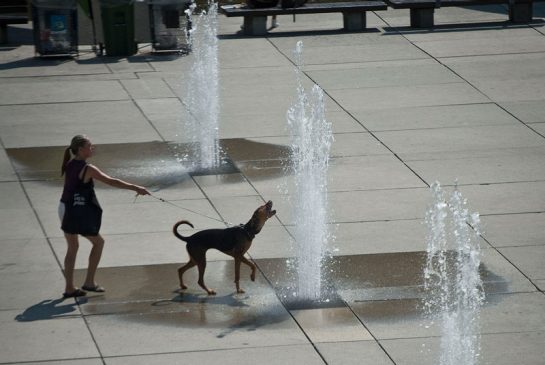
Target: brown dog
{"points": [[234, 241]]}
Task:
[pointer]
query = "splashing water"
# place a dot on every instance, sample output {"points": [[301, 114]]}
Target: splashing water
{"points": [[202, 93], [311, 139], [451, 277]]}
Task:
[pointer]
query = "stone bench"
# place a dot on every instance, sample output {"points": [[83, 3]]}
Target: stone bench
{"points": [[12, 12], [255, 20], [520, 11]]}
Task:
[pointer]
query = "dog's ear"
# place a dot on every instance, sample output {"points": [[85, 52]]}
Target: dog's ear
{"points": [[273, 212]]}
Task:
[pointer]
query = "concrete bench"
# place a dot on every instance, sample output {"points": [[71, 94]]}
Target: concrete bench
{"points": [[255, 20], [12, 12], [520, 11]]}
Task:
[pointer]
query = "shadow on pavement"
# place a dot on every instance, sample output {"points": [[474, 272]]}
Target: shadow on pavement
{"points": [[47, 309]]}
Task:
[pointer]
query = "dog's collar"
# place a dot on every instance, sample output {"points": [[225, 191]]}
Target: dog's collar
{"points": [[246, 229]]}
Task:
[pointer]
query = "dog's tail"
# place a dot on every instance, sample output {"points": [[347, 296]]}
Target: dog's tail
{"points": [[175, 229]]}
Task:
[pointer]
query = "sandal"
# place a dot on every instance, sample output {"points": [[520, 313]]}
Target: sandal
{"points": [[96, 288], [76, 293]]}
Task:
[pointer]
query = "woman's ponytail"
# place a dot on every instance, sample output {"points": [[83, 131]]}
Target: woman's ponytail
{"points": [[65, 160], [77, 142]]}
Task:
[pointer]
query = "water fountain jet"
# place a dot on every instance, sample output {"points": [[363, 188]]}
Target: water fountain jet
{"points": [[202, 94], [311, 139], [454, 291]]}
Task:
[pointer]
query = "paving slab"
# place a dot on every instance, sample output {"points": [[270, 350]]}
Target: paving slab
{"points": [[23, 125], [473, 46], [26, 256], [512, 90], [526, 111], [480, 167], [443, 116], [236, 126], [502, 348], [523, 197], [147, 88], [123, 318], [380, 237], [406, 96], [13, 196], [458, 139], [252, 52], [331, 325], [25, 288], [528, 259], [62, 92], [539, 128], [167, 116], [514, 229], [369, 173], [6, 169], [19, 223], [277, 101], [417, 72], [225, 185], [404, 318], [356, 352], [23, 66], [504, 67], [63, 338], [363, 53], [95, 361], [268, 354], [474, 30]]}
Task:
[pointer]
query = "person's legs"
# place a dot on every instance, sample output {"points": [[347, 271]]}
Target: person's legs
{"points": [[70, 261], [94, 258], [274, 22]]}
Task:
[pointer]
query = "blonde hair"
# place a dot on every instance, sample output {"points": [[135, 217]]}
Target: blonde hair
{"points": [[77, 142]]}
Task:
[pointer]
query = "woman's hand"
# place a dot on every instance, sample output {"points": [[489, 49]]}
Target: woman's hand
{"points": [[140, 190]]}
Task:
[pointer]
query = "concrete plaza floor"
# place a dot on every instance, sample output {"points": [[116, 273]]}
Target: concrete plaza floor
{"points": [[463, 101]]}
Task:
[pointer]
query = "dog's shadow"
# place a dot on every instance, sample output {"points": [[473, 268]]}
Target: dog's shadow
{"points": [[230, 300], [48, 309], [245, 318]]}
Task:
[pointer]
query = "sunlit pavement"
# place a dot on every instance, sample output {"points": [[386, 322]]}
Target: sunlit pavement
{"points": [[463, 101]]}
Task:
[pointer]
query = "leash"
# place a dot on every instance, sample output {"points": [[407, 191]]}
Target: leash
{"points": [[187, 209]]}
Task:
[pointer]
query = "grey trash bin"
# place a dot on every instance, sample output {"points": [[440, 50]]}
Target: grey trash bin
{"points": [[169, 25], [55, 27]]}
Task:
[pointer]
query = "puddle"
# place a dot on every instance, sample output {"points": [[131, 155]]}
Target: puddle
{"points": [[149, 163]]}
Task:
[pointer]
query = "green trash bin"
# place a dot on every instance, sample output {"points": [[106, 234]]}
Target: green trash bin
{"points": [[118, 27]]}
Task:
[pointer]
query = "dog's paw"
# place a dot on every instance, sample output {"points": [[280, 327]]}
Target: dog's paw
{"points": [[211, 292], [183, 287], [240, 291], [252, 276]]}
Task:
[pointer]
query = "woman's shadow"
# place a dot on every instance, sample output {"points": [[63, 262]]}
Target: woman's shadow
{"points": [[47, 309]]}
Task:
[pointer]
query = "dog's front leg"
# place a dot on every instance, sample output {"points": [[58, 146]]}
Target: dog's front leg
{"points": [[237, 275], [252, 266]]}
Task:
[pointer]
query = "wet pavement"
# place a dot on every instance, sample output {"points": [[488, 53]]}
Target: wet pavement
{"points": [[465, 101]]}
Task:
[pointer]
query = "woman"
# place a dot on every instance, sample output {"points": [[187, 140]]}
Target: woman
{"points": [[79, 174]]}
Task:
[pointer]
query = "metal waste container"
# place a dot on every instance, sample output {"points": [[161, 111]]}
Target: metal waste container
{"points": [[169, 25], [55, 27], [118, 27]]}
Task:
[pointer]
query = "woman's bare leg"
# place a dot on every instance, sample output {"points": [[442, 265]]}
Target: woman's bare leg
{"points": [[94, 258], [70, 261]]}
